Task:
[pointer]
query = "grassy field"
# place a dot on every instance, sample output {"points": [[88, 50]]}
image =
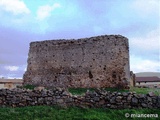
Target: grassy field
{"points": [[132, 89], [145, 90], [57, 113], [80, 91]]}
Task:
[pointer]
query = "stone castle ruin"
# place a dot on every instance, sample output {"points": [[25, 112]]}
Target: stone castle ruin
{"points": [[95, 62]]}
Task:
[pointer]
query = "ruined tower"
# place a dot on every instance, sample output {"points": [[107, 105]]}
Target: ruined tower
{"points": [[101, 61]]}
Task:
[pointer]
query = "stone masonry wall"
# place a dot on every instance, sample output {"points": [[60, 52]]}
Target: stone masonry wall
{"points": [[101, 61], [61, 97]]}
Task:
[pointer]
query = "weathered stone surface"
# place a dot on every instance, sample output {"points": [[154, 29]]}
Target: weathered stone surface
{"points": [[144, 105], [119, 98], [134, 101], [96, 99], [113, 100], [129, 98], [149, 99], [158, 101], [101, 61], [60, 101], [151, 94]]}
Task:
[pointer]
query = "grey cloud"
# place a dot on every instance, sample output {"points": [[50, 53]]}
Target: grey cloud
{"points": [[14, 44], [7, 73]]}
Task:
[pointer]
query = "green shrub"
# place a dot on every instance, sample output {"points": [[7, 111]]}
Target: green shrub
{"points": [[31, 87], [80, 91]]}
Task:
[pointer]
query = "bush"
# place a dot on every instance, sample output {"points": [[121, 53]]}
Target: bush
{"points": [[31, 87]]}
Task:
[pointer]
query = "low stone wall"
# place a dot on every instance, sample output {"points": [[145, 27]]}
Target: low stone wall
{"points": [[57, 96]]}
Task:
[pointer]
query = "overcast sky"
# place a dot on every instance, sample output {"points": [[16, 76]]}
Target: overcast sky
{"points": [[24, 21]]}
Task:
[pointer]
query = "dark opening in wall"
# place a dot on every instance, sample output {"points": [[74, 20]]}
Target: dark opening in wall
{"points": [[114, 75], [70, 73], [104, 67], [90, 75], [119, 78]]}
